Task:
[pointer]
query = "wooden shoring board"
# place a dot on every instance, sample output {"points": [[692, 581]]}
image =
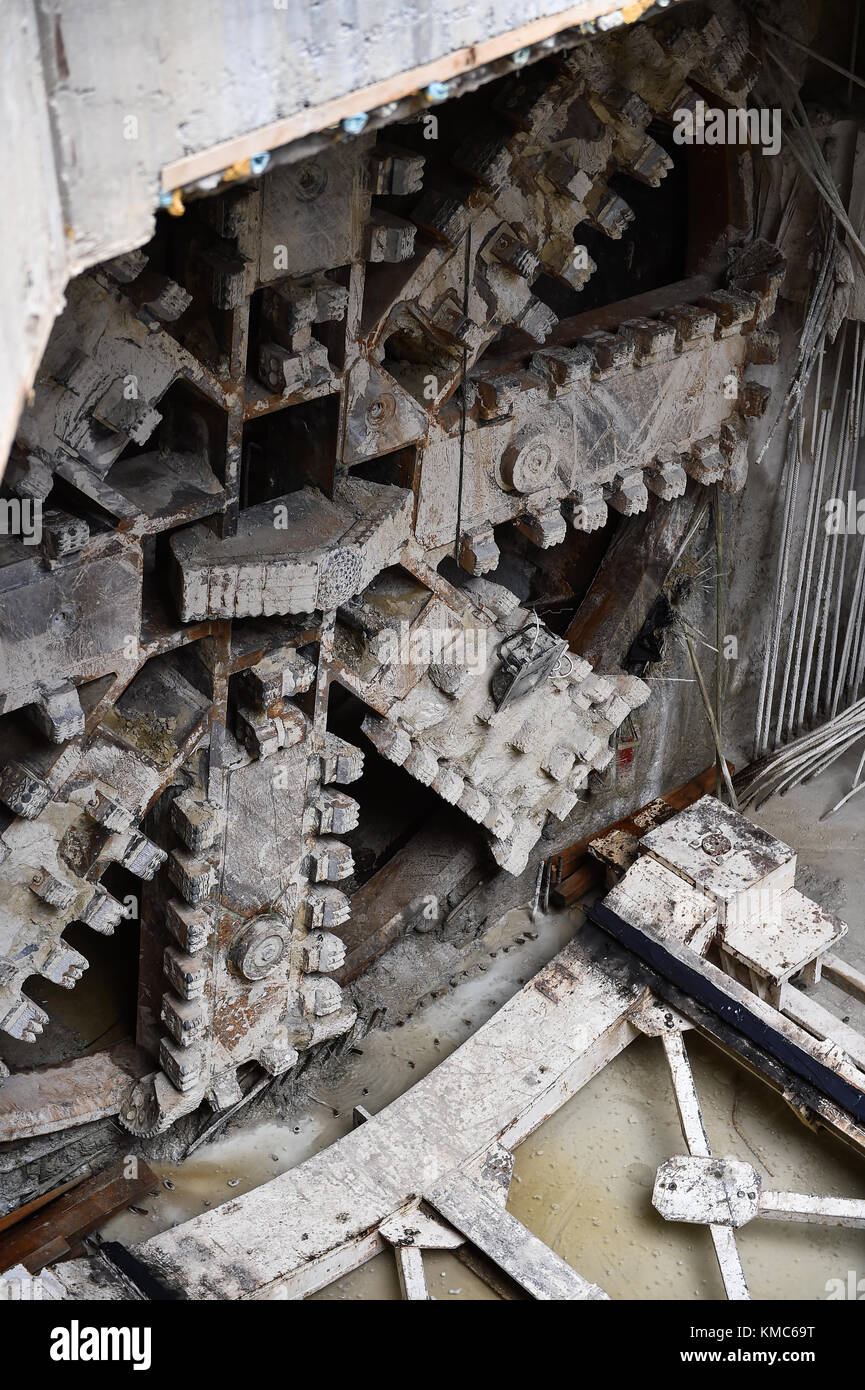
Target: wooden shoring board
{"points": [[574, 872], [59, 1226], [317, 1222], [629, 579], [697, 1140], [410, 1272], [35, 1204], [433, 861], [469, 1206], [823, 1024], [844, 975]]}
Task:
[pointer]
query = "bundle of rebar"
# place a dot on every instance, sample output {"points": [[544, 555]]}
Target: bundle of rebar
{"points": [[803, 758], [814, 664], [810, 574]]}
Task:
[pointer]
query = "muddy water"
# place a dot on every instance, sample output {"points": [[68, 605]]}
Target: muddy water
{"points": [[587, 1177], [583, 1181]]}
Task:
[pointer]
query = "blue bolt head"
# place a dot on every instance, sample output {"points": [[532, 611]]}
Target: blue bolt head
{"points": [[166, 199], [259, 162], [437, 91], [353, 125], [521, 57]]}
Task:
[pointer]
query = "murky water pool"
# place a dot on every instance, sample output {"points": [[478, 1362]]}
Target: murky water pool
{"points": [[583, 1183]]}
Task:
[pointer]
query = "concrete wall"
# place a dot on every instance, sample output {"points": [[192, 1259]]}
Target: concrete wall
{"points": [[33, 266]]}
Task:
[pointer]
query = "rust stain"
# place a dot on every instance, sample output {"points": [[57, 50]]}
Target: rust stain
{"points": [[60, 51]]}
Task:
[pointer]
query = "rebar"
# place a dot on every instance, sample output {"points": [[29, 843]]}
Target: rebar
{"points": [[794, 649], [707, 704]]}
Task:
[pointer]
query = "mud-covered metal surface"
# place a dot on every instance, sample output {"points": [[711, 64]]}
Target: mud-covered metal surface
{"points": [[269, 460]]}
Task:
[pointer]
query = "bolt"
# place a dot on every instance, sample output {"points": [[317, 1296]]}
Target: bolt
{"points": [[521, 56], [715, 844], [437, 91], [259, 162]]}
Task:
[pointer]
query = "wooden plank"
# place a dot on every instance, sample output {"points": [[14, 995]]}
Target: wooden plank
{"points": [[410, 1271], [578, 884], [53, 1231], [845, 976], [823, 1024], [629, 580], [694, 1130], [383, 908], [468, 1205], [19, 1213], [569, 861], [816, 1211], [229, 153]]}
